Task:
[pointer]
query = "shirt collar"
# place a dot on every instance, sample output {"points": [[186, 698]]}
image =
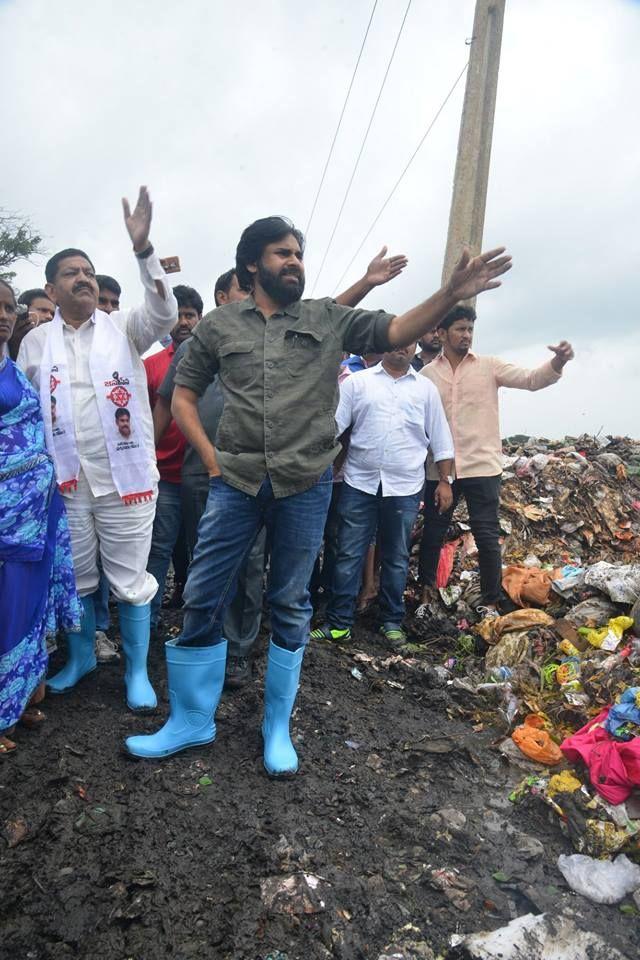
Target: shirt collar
{"points": [[91, 319], [293, 309], [441, 358], [380, 369]]}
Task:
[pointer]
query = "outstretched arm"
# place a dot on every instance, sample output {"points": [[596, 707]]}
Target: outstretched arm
{"points": [[380, 270], [563, 353], [522, 378], [471, 276], [159, 313], [138, 225]]}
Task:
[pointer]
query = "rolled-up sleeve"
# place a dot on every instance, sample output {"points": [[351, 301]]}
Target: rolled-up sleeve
{"points": [[437, 427], [362, 331], [199, 365], [522, 378], [157, 316]]}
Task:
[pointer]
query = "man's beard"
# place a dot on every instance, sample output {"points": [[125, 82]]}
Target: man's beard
{"points": [[281, 291], [432, 347]]}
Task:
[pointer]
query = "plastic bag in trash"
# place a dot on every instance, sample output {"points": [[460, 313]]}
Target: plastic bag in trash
{"points": [[620, 583], [603, 881], [528, 586], [624, 716]]}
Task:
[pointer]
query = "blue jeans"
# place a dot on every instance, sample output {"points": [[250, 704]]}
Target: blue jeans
{"points": [[244, 614], [166, 527], [359, 514], [227, 530]]}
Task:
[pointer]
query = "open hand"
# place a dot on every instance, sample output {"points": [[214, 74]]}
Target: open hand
{"points": [[138, 223], [473, 275], [383, 268], [563, 353]]}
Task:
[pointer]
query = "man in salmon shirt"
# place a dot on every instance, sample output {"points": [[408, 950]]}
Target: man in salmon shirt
{"points": [[169, 449], [468, 386]]}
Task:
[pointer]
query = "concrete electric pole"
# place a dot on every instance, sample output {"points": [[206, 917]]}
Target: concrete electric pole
{"points": [[466, 219]]}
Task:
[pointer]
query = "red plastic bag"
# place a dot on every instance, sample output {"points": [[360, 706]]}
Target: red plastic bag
{"points": [[614, 765], [445, 563]]}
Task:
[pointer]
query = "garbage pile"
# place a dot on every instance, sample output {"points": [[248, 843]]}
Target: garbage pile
{"points": [[571, 499], [559, 671]]}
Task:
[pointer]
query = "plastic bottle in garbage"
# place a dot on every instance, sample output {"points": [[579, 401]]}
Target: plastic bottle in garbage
{"points": [[500, 674]]}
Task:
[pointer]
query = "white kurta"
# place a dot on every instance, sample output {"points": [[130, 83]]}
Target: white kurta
{"points": [[143, 325], [99, 522]]}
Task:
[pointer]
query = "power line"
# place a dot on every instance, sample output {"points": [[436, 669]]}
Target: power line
{"points": [[342, 112], [362, 146], [399, 180]]}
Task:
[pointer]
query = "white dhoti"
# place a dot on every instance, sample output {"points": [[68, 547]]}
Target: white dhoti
{"points": [[120, 535]]}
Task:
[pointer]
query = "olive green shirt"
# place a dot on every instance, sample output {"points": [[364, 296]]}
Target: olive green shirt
{"points": [[279, 380]]}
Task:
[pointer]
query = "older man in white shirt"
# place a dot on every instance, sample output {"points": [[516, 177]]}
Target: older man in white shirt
{"points": [[391, 422], [86, 365]]}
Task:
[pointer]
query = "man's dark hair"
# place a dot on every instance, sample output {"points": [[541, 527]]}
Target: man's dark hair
{"points": [[223, 283], [51, 269], [122, 412], [458, 313], [28, 296], [255, 238], [188, 297], [105, 282]]}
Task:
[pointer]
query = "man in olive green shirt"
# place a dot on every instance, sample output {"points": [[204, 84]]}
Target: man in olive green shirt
{"points": [[277, 358]]}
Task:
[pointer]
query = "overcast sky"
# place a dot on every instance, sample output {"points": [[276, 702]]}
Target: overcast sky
{"points": [[227, 110]]}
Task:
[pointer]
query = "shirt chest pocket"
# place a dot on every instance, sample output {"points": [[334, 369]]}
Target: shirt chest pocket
{"points": [[412, 413], [238, 363], [302, 349]]}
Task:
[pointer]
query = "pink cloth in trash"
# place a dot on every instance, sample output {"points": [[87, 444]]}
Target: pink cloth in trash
{"points": [[445, 563], [614, 765]]}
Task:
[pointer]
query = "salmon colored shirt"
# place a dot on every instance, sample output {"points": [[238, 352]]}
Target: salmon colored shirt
{"points": [[470, 400]]}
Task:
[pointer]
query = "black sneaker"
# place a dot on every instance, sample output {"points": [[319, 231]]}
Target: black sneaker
{"points": [[237, 672]]}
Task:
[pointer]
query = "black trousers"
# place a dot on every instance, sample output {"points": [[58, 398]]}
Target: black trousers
{"points": [[482, 495]]}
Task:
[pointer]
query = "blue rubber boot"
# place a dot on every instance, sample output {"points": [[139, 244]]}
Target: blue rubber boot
{"points": [[81, 652], [195, 678], [134, 633], [280, 689]]}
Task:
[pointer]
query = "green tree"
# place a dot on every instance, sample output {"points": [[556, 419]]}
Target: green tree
{"points": [[18, 241]]}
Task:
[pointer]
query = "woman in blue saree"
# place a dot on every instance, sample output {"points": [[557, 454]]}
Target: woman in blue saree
{"points": [[37, 588]]}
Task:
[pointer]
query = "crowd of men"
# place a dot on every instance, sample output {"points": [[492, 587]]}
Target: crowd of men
{"points": [[271, 434]]}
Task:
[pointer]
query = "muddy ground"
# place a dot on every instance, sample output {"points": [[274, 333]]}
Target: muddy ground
{"points": [[145, 860]]}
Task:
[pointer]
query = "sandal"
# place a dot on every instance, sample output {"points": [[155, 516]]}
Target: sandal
{"points": [[32, 717], [330, 633], [6, 746]]}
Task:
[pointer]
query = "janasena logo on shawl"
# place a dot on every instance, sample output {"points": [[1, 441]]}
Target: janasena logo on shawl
{"points": [[119, 395]]}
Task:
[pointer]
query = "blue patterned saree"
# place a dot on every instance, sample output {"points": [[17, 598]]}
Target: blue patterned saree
{"points": [[37, 587]]}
